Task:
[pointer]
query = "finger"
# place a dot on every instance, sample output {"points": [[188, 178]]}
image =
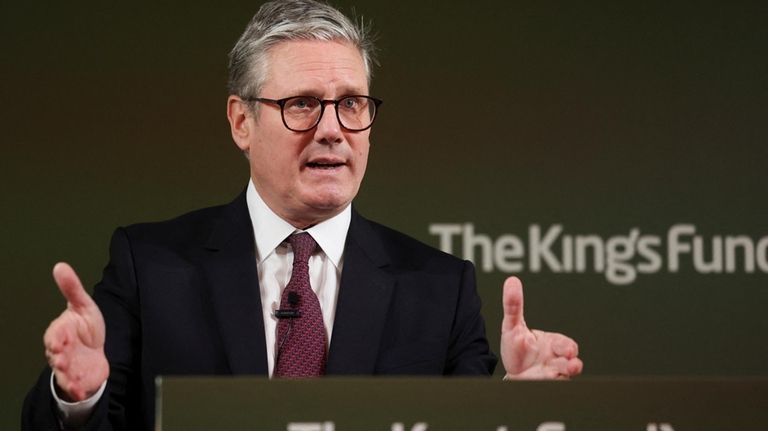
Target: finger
{"points": [[59, 332], [538, 372], [56, 336], [513, 304], [564, 346], [559, 365], [575, 367], [566, 367], [71, 287], [59, 362]]}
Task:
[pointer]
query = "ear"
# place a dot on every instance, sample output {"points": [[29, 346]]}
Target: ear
{"points": [[238, 115]]}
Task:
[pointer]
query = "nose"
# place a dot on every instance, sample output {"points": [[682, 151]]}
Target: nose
{"points": [[328, 130]]}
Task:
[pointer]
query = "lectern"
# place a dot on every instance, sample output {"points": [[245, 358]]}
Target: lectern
{"points": [[488, 404]]}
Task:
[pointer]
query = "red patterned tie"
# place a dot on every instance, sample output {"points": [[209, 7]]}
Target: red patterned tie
{"points": [[301, 341]]}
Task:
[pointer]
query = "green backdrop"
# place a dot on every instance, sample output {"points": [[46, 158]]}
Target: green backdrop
{"points": [[601, 117]]}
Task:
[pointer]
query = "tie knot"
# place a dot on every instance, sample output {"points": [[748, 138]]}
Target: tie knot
{"points": [[303, 246]]}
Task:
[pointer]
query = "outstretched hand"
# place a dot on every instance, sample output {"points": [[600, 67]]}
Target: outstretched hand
{"points": [[533, 354], [74, 341]]}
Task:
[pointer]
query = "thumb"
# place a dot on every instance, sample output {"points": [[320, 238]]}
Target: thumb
{"points": [[513, 304], [71, 287]]}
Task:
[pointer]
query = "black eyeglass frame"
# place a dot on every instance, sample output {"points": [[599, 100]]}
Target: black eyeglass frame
{"points": [[323, 103]]}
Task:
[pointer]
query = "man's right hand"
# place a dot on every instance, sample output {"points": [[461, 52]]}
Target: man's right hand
{"points": [[74, 341]]}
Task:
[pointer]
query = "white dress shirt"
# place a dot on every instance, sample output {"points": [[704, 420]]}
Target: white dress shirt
{"points": [[274, 263]]}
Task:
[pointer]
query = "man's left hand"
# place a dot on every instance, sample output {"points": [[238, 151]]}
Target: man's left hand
{"points": [[533, 354]]}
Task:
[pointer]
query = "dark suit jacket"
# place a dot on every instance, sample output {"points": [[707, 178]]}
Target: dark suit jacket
{"points": [[182, 297]]}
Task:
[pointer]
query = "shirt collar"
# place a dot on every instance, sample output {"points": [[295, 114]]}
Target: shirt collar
{"points": [[270, 230]]}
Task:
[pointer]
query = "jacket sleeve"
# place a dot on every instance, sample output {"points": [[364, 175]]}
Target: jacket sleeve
{"points": [[469, 353]]}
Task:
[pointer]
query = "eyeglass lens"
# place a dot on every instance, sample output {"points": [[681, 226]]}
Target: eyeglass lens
{"points": [[303, 112]]}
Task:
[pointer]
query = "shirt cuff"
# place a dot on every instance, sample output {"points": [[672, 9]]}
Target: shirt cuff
{"points": [[76, 414]]}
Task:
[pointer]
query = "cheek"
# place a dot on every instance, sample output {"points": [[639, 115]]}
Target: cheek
{"points": [[362, 158], [362, 164], [266, 163], [275, 155]]}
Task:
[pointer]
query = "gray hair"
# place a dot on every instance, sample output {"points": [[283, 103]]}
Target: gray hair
{"points": [[285, 20]]}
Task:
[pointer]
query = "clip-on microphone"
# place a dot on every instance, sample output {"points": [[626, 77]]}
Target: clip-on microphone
{"points": [[293, 301]]}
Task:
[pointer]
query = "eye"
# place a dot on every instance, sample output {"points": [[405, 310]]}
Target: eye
{"points": [[301, 103], [352, 103]]}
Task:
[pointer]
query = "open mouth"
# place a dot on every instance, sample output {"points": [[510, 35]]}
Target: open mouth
{"points": [[323, 165]]}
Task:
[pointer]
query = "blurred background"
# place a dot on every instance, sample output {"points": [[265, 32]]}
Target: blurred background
{"points": [[577, 119]]}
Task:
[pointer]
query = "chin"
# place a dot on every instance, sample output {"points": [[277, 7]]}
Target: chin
{"points": [[329, 203]]}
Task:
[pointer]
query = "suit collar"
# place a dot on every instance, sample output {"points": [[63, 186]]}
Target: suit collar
{"points": [[364, 237], [230, 226]]}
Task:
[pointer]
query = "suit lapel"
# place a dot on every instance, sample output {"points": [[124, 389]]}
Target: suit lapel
{"points": [[230, 270], [364, 296]]}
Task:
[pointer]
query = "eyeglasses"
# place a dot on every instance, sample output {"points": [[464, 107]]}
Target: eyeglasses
{"points": [[302, 113]]}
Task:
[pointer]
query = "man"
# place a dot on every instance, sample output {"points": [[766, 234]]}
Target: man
{"points": [[287, 280]]}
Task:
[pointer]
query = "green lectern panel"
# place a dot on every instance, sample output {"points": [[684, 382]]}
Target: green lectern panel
{"points": [[461, 404]]}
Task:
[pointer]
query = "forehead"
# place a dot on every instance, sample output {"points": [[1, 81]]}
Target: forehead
{"points": [[312, 66]]}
